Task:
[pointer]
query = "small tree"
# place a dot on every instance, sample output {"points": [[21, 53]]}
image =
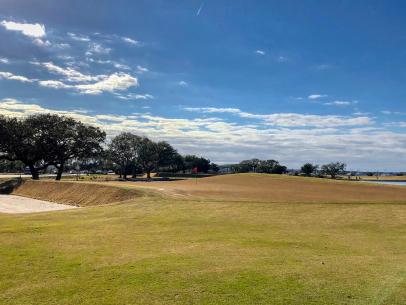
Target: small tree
{"points": [[333, 169], [124, 151], [308, 169]]}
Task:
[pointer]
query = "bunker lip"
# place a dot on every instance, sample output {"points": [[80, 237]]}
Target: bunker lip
{"points": [[11, 204]]}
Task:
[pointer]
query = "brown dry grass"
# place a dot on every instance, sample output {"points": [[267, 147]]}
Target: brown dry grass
{"points": [[79, 194], [275, 188]]}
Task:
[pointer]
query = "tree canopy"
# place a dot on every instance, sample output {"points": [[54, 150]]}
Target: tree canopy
{"points": [[308, 169], [333, 169], [47, 139]]}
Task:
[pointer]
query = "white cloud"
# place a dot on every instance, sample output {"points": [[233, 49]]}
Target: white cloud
{"points": [[35, 30], [41, 42], [121, 66], [71, 74], [79, 37], [260, 52], [130, 40], [97, 48], [183, 83], [132, 96], [341, 103], [54, 84], [291, 119], [316, 96], [282, 59], [388, 112], [114, 82], [142, 69], [11, 76], [4, 60], [338, 103]]}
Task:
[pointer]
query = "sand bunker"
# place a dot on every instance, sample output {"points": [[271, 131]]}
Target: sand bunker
{"points": [[15, 204]]}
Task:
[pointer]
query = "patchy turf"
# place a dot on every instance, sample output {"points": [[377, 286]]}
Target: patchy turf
{"points": [[197, 250], [78, 194]]}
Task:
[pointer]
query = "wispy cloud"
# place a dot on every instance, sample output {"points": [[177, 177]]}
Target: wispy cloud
{"points": [[132, 96], [290, 119], [97, 48], [260, 52], [11, 76], [106, 83], [388, 112], [282, 59], [4, 60], [200, 9], [141, 69], [183, 83], [70, 74], [130, 41], [79, 37], [338, 103], [316, 96]]}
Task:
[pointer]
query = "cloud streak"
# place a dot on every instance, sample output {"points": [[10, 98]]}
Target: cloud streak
{"points": [[291, 119]]}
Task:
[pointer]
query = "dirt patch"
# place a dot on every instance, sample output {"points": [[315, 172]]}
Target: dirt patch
{"points": [[74, 193]]}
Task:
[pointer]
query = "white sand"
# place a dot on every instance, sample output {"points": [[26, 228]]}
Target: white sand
{"points": [[15, 204]]}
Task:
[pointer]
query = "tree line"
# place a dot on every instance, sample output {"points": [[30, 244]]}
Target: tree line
{"points": [[259, 166], [333, 169], [43, 140]]}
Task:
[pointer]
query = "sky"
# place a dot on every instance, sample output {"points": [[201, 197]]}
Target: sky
{"points": [[295, 81]]}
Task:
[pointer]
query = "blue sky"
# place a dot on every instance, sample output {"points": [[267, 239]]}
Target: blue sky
{"points": [[297, 81]]}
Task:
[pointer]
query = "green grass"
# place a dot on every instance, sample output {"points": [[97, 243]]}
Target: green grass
{"points": [[161, 251]]}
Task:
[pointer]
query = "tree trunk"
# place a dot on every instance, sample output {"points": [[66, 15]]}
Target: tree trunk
{"points": [[59, 173], [148, 174], [124, 172], [34, 172]]}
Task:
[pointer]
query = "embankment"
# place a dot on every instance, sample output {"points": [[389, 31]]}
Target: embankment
{"points": [[74, 193]]}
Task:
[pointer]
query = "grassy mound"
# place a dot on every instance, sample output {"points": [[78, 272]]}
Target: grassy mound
{"points": [[78, 194]]}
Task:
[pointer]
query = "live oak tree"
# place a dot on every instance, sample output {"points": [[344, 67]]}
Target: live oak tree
{"points": [[124, 151], [65, 138], [22, 140], [149, 155], [333, 169], [309, 169], [168, 157], [47, 139], [202, 164]]}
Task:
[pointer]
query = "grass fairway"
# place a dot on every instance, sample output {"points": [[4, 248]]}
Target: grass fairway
{"points": [[196, 249]]}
